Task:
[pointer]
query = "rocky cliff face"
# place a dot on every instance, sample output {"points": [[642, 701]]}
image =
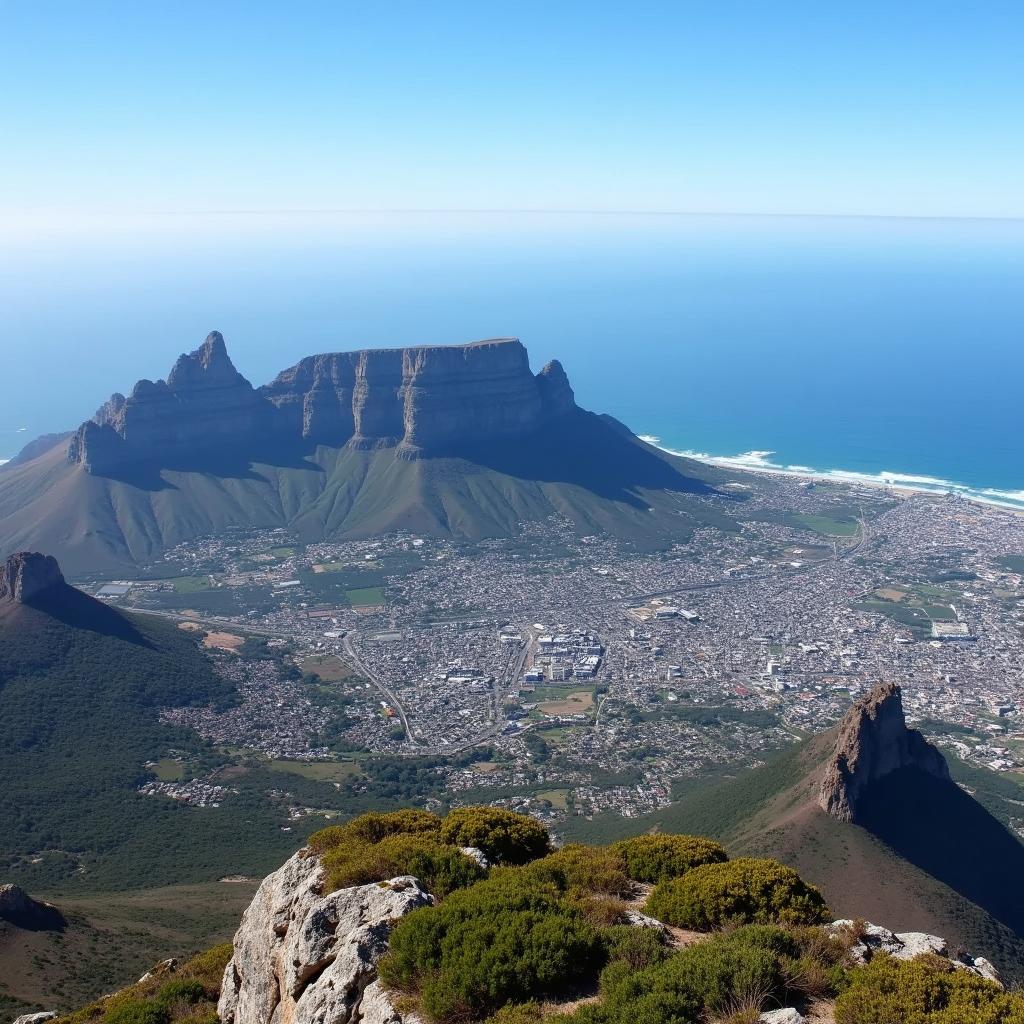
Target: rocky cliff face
{"points": [[425, 400], [305, 957], [873, 741], [204, 405], [28, 575]]}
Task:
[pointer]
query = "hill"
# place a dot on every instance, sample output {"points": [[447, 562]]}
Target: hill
{"points": [[81, 686], [919, 854], [462, 441]]}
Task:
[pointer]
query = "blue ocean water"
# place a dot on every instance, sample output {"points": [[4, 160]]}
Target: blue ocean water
{"points": [[855, 345]]}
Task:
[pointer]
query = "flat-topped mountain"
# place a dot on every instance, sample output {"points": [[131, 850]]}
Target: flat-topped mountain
{"points": [[460, 441], [425, 400]]}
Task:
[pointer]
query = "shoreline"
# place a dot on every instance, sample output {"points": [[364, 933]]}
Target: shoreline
{"points": [[906, 484]]}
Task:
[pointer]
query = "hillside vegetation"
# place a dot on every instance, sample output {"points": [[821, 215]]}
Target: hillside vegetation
{"points": [[552, 934]]}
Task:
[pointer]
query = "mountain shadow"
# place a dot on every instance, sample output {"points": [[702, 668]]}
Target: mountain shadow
{"points": [[945, 832], [586, 450]]}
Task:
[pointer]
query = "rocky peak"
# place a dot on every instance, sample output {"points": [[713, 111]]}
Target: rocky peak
{"points": [[872, 742], [555, 391], [26, 576], [210, 363]]}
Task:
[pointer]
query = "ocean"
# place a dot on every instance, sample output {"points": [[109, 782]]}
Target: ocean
{"points": [[881, 349]]}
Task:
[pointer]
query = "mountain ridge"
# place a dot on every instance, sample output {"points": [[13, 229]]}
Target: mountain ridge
{"points": [[422, 460]]}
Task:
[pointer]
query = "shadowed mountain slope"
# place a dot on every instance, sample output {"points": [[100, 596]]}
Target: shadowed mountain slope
{"points": [[923, 855]]}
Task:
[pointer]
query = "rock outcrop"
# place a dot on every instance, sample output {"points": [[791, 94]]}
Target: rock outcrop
{"points": [[305, 957], [425, 400], [21, 910], [873, 741], [870, 939], [26, 576]]}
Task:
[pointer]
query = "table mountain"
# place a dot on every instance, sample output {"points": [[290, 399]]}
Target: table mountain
{"points": [[461, 441]]}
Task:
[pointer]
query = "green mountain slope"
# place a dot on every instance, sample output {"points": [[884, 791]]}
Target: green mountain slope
{"points": [[585, 467], [81, 686]]}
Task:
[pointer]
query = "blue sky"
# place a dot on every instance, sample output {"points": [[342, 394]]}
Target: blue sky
{"points": [[121, 109]]}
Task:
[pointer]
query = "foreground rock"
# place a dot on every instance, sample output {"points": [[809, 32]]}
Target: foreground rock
{"points": [[36, 1018], [872, 939], [302, 957], [874, 741]]}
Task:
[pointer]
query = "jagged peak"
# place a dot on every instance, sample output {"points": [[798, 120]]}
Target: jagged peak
{"points": [[873, 741], [27, 575], [209, 361]]}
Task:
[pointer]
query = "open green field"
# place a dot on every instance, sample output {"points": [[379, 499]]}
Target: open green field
{"points": [[836, 525], [559, 798], [329, 667], [169, 770], [282, 552], [362, 596], [192, 584], [915, 605], [545, 693], [318, 771]]}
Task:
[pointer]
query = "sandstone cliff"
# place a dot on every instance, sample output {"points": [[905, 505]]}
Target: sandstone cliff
{"points": [[873, 741], [424, 400], [28, 575]]}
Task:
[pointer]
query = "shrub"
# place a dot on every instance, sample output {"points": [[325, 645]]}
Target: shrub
{"points": [[179, 992], [744, 890], [138, 1011], [508, 939], [504, 836], [656, 858], [590, 869], [441, 868], [726, 973], [375, 826], [915, 992], [636, 947]]}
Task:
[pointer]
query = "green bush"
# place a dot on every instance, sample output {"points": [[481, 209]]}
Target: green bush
{"points": [[590, 869], [440, 867], [506, 940], [636, 947], [180, 991], [138, 1012], [921, 992], [375, 826], [504, 836], [726, 973], [746, 890], [656, 858]]}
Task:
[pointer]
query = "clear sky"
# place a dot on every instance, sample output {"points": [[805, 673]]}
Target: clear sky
{"points": [[116, 110]]}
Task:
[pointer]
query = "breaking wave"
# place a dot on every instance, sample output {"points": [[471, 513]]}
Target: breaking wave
{"points": [[761, 461]]}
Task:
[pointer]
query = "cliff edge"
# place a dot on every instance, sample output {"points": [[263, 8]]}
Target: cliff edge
{"points": [[872, 742]]}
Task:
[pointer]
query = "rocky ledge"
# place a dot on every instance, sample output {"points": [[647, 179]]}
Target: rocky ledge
{"points": [[424, 400], [305, 957], [872, 742], [28, 575]]}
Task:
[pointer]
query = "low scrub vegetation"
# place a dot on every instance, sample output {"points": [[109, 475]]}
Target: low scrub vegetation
{"points": [[657, 858], [506, 940], [927, 990], [186, 996], [744, 891], [504, 836]]}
